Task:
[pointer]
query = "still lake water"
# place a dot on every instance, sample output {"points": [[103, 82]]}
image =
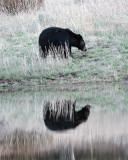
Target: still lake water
{"points": [[103, 135]]}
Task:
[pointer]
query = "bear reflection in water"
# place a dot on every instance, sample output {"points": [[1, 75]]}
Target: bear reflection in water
{"points": [[61, 115]]}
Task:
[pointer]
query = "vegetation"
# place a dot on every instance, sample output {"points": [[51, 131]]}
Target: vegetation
{"points": [[103, 24], [15, 6]]}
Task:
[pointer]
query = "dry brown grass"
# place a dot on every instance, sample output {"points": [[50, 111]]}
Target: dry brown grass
{"points": [[88, 16], [15, 6]]}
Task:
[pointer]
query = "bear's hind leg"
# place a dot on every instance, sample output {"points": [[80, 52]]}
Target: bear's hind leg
{"points": [[43, 52]]}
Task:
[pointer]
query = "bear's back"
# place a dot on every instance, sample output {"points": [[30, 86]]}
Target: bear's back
{"points": [[52, 31]]}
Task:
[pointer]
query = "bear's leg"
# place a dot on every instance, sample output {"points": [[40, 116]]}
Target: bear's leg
{"points": [[43, 52], [67, 51], [70, 52], [65, 54]]}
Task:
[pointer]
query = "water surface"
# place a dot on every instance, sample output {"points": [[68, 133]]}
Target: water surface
{"points": [[103, 135]]}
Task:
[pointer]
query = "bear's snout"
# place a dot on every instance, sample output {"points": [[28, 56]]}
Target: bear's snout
{"points": [[84, 49]]}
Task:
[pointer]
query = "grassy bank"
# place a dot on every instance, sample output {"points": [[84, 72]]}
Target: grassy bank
{"points": [[103, 25]]}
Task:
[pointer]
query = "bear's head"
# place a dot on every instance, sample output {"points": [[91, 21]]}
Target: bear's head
{"points": [[76, 40], [81, 43], [85, 112]]}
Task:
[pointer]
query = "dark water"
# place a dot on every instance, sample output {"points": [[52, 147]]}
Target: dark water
{"points": [[88, 122]]}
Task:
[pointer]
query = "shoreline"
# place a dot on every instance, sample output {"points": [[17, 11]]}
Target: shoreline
{"points": [[55, 85]]}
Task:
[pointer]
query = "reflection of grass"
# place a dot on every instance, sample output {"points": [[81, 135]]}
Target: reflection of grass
{"points": [[65, 153], [114, 96], [105, 33]]}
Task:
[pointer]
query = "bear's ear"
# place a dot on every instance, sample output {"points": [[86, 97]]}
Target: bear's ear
{"points": [[67, 29], [79, 35]]}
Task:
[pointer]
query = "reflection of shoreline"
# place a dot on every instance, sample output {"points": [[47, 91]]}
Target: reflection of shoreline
{"points": [[26, 145], [22, 143]]}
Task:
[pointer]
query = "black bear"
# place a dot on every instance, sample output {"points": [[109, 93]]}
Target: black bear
{"points": [[64, 116], [57, 38]]}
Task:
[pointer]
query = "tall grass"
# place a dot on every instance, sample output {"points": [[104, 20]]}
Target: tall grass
{"points": [[103, 25], [15, 6]]}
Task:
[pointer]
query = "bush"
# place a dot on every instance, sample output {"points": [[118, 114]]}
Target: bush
{"points": [[15, 6]]}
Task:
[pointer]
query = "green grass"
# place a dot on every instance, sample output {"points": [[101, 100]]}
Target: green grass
{"points": [[105, 35], [104, 62]]}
